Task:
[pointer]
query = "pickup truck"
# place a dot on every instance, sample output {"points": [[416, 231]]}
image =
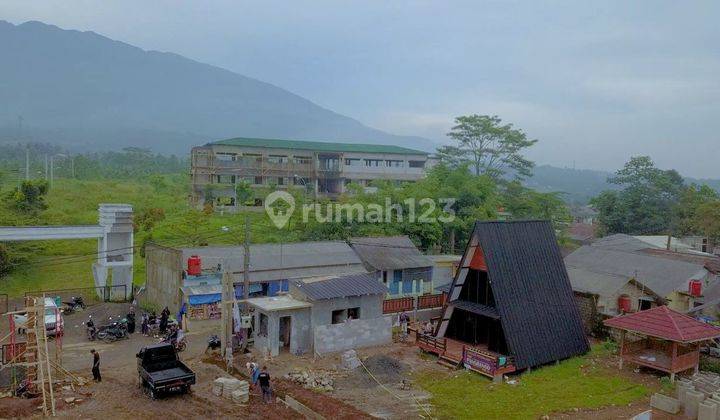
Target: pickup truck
{"points": [[160, 371]]}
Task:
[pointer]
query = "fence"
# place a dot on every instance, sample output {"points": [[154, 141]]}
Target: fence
{"points": [[405, 304], [90, 295], [431, 301]]}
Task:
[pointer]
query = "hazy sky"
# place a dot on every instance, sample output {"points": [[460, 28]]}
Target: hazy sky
{"points": [[595, 83]]}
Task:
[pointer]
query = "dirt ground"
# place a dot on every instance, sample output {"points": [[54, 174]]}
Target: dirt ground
{"points": [[389, 392]]}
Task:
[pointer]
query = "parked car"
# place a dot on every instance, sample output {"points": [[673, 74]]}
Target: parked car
{"points": [[54, 323], [160, 370]]}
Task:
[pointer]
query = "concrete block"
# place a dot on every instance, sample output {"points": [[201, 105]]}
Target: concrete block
{"points": [[707, 410], [240, 396], [217, 387], [667, 404], [692, 403], [682, 390]]}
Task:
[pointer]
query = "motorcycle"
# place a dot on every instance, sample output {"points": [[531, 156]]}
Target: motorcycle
{"points": [[114, 331], [213, 343], [76, 304], [179, 345]]}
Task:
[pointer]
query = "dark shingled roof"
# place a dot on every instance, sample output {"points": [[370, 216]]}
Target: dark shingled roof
{"points": [[532, 291], [389, 253], [360, 284]]}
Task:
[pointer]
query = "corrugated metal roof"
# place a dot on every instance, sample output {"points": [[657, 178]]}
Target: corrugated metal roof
{"points": [[340, 286], [662, 275], [205, 289], [283, 261], [317, 146], [390, 253], [477, 308], [601, 284]]}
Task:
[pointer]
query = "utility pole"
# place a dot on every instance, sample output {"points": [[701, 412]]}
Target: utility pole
{"points": [[27, 162], [246, 279], [46, 167], [51, 170]]}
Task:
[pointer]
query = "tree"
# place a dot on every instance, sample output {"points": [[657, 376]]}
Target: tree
{"points": [[524, 203], [29, 197], [243, 193], [707, 221], [490, 147], [645, 204], [692, 197]]}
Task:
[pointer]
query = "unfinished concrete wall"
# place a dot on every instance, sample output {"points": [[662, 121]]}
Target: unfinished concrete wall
{"points": [[370, 307], [163, 270], [300, 332], [353, 334], [588, 311]]}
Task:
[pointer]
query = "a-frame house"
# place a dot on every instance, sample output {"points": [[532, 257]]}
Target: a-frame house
{"points": [[511, 303]]}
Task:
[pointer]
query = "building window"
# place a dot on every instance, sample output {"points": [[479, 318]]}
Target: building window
{"points": [[281, 181], [353, 313], [225, 157], [277, 159], [417, 163], [225, 179], [251, 158], [384, 276], [339, 316], [373, 163], [258, 180], [353, 162], [301, 180], [225, 201], [394, 163]]}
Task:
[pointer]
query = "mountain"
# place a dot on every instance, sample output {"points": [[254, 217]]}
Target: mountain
{"points": [[86, 91], [580, 185]]}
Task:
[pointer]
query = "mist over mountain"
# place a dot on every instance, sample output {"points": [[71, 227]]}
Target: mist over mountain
{"points": [[580, 185], [88, 92]]}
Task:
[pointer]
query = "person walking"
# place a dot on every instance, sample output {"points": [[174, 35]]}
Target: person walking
{"points": [[264, 380], [96, 366]]}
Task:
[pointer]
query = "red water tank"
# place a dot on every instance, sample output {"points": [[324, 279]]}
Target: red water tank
{"points": [[194, 266], [695, 288], [624, 304]]}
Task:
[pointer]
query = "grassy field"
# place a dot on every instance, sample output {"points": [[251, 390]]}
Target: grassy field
{"points": [[67, 264], [574, 383]]}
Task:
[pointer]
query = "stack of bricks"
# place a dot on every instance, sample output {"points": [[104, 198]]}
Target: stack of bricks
{"points": [[233, 389]]}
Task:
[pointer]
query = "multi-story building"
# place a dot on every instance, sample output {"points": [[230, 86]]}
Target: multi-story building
{"points": [[322, 169]]}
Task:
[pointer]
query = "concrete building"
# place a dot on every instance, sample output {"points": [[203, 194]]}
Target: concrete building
{"points": [[397, 263], [321, 169], [271, 267], [322, 315]]}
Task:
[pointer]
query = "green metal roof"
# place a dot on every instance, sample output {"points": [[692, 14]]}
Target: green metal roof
{"points": [[317, 146]]}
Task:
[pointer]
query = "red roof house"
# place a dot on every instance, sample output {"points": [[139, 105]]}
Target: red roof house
{"points": [[662, 339]]}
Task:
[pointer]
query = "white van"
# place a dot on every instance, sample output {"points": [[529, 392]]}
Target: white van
{"points": [[54, 323]]}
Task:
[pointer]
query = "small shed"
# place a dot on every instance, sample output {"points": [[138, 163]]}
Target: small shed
{"points": [[662, 339]]}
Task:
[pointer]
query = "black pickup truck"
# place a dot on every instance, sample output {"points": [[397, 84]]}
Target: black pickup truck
{"points": [[160, 370]]}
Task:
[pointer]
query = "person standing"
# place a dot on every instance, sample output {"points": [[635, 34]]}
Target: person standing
{"points": [[164, 320], [96, 366], [264, 380], [145, 325], [131, 321]]}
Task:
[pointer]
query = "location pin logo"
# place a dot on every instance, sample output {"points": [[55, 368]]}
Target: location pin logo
{"points": [[279, 206]]}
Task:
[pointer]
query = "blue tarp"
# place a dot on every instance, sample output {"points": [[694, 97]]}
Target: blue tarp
{"points": [[204, 299]]}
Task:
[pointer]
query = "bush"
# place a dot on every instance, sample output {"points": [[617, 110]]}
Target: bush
{"points": [[709, 364]]}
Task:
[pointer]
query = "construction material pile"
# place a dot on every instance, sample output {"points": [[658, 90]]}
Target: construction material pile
{"points": [[231, 388], [320, 381]]}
